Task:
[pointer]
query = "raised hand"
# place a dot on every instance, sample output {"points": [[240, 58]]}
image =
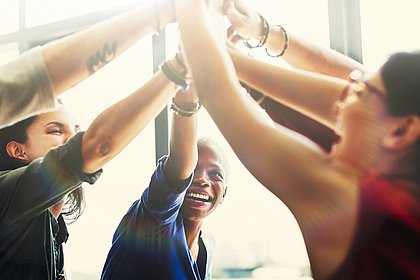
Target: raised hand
{"points": [[245, 22]]}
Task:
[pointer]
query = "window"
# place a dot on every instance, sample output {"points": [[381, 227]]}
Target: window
{"points": [[385, 30], [9, 16], [8, 52], [49, 11]]}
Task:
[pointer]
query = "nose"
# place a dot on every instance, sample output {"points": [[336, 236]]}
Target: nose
{"points": [[201, 180]]}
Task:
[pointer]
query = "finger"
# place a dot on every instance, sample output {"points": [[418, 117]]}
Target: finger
{"points": [[230, 32], [236, 39]]}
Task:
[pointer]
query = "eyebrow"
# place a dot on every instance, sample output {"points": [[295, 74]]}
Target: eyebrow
{"points": [[57, 123], [218, 167]]}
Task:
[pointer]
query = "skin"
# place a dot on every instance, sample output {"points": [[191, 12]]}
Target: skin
{"points": [[209, 180], [185, 158], [323, 195], [49, 130], [89, 50], [110, 132], [300, 53]]}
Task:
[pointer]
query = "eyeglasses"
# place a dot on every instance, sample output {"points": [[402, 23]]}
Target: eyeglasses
{"points": [[356, 89]]}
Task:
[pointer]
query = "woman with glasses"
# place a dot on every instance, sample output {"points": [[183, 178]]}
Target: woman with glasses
{"points": [[358, 207]]}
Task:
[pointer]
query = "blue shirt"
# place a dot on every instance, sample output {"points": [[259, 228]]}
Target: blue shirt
{"points": [[150, 241]]}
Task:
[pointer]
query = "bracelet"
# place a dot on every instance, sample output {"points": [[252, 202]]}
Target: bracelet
{"points": [[181, 64], [174, 76], [265, 31], [286, 43], [185, 112]]}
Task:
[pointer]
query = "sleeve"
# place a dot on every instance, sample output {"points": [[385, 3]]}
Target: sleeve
{"points": [[25, 88], [28, 191], [160, 201]]}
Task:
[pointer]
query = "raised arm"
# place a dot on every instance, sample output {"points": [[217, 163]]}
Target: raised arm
{"points": [[117, 126], [75, 57], [272, 154], [297, 89], [299, 53], [183, 141]]}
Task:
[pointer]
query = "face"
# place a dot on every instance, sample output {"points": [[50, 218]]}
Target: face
{"points": [[360, 117], [49, 130], [208, 186]]}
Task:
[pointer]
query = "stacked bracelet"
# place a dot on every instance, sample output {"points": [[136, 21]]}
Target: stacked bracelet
{"points": [[286, 43], [263, 39], [185, 112], [177, 78]]}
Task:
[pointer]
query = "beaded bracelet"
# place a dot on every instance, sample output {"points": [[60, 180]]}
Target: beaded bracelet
{"points": [[185, 112], [265, 31], [286, 43]]}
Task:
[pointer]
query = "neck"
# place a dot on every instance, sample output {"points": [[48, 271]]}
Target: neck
{"points": [[56, 208], [399, 165], [192, 232]]}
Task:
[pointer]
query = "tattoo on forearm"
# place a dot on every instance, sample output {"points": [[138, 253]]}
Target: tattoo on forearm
{"points": [[102, 57]]}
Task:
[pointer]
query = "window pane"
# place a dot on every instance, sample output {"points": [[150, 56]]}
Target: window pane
{"points": [[384, 30], [125, 177], [46, 11], [9, 16], [8, 52], [310, 23]]}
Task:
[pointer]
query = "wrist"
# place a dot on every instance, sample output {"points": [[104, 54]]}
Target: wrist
{"points": [[186, 109], [277, 41], [263, 35], [176, 73]]}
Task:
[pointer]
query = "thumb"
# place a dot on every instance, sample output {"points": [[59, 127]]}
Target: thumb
{"points": [[230, 10]]}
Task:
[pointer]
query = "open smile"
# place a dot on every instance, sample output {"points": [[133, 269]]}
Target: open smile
{"points": [[198, 200]]}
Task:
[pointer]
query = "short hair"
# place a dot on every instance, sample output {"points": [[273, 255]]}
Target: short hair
{"points": [[208, 143]]}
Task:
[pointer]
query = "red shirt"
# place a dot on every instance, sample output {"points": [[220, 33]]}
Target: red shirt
{"points": [[387, 238]]}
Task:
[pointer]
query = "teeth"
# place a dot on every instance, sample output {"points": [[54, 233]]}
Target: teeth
{"points": [[198, 195]]}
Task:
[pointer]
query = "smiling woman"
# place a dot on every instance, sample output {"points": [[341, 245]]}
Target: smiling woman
{"points": [[244, 245]]}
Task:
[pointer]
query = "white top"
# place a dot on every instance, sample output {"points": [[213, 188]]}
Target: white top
{"points": [[25, 88]]}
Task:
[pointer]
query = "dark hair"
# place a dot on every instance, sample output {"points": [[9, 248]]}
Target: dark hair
{"points": [[75, 202], [401, 78]]}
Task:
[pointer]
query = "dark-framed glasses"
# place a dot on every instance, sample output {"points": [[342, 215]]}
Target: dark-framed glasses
{"points": [[356, 89]]}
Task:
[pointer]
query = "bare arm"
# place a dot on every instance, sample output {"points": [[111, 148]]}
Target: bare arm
{"points": [[183, 142], [298, 89], [75, 57], [234, 113], [274, 155], [300, 53], [117, 126]]}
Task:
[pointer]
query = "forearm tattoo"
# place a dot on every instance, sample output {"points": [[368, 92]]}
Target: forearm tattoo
{"points": [[102, 57]]}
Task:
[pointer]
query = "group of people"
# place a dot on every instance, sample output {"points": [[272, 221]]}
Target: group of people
{"points": [[355, 195]]}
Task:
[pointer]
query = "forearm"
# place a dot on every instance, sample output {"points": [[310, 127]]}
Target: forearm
{"points": [[77, 56], [205, 52], [312, 94], [114, 128], [183, 142], [282, 43], [308, 56]]}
